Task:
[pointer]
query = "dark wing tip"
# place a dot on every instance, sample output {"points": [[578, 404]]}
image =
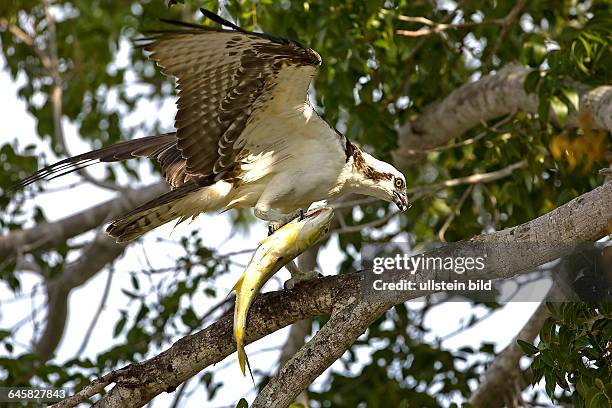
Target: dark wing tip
{"points": [[151, 36], [53, 171], [220, 20]]}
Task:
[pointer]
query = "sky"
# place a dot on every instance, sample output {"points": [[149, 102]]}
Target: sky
{"points": [[499, 329]]}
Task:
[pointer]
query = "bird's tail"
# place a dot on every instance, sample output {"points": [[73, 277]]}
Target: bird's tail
{"points": [[184, 202]]}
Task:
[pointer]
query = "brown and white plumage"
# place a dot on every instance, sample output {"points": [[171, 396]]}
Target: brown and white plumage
{"points": [[246, 135]]}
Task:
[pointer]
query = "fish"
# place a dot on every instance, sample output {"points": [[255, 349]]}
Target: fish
{"points": [[274, 252]]}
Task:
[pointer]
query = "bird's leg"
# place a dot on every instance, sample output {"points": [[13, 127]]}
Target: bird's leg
{"points": [[276, 218], [264, 212], [297, 275], [278, 189]]}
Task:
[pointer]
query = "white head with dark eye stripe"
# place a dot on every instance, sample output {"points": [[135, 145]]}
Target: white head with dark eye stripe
{"points": [[379, 179]]}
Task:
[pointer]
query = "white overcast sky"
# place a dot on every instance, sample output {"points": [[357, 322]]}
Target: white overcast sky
{"points": [[18, 124]]}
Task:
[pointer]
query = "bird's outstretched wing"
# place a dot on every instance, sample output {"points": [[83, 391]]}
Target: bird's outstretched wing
{"points": [[225, 78]]}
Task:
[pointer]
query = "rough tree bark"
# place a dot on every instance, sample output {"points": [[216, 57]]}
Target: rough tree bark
{"points": [[585, 218], [502, 382], [49, 234], [300, 329], [489, 97]]}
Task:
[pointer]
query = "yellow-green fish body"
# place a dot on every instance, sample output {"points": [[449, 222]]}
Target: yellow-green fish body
{"points": [[273, 253]]}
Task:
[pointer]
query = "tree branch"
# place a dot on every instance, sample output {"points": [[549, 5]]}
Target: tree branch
{"points": [[99, 253], [585, 218], [420, 191], [94, 320], [57, 93], [471, 179], [328, 345], [489, 97], [49, 234], [300, 329], [506, 22], [28, 40], [441, 27], [502, 376]]}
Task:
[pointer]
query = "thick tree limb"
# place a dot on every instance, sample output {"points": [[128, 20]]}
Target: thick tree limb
{"points": [[295, 341], [501, 378], [561, 224], [49, 234], [328, 345], [584, 218], [489, 97], [300, 329], [139, 383], [99, 253]]}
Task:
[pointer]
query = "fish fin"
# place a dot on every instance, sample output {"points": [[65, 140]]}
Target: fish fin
{"points": [[243, 361], [236, 286], [249, 367]]}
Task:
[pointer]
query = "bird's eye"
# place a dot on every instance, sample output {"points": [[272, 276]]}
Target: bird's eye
{"points": [[399, 183]]}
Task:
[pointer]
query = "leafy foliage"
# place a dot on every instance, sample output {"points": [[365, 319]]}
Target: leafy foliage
{"points": [[372, 80], [574, 354]]}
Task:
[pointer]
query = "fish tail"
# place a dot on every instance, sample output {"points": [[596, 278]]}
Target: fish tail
{"points": [[243, 361], [240, 327]]}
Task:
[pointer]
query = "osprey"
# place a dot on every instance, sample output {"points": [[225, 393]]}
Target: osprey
{"points": [[246, 134]]}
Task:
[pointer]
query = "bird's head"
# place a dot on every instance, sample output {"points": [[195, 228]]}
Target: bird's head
{"points": [[379, 179]]}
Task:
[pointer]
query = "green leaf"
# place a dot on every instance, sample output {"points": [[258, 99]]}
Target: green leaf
{"points": [[572, 97], [550, 384], [528, 348], [120, 325], [135, 283], [4, 333], [560, 109], [598, 400], [543, 110]]}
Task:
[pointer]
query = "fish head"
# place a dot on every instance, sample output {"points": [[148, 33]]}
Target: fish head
{"points": [[314, 226]]}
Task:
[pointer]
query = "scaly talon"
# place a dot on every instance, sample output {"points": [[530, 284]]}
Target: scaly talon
{"points": [[301, 277]]}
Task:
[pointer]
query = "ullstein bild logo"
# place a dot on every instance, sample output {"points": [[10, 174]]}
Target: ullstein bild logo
{"points": [[433, 285]]}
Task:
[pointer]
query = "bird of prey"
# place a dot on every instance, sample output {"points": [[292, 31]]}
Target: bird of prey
{"points": [[246, 134]]}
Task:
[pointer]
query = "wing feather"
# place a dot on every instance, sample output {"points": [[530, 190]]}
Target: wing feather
{"points": [[162, 147], [225, 77]]}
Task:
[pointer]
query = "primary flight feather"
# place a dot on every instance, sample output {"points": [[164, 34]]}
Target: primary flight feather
{"points": [[246, 134]]}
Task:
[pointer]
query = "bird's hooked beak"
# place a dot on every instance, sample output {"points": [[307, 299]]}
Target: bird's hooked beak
{"points": [[401, 200]]}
